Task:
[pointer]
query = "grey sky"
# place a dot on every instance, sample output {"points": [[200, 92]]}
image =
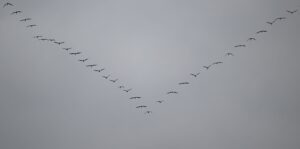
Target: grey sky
{"points": [[50, 100]]}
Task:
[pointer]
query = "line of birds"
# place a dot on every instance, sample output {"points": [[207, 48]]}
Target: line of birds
{"points": [[76, 53], [107, 77]]}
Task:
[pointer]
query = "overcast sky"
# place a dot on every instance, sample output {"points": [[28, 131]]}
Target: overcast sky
{"points": [[49, 100]]}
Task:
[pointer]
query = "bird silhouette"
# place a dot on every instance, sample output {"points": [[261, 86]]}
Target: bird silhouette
{"points": [[106, 77], [195, 75], [136, 97], [121, 86], [240, 45], [160, 101], [292, 11], [7, 4], [142, 106], [172, 92], [38, 36], [99, 70], [51, 40], [271, 23], [59, 43], [207, 67], [251, 39], [229, 54], [44, 39], [148, 112], [216, 63], [92, 65], [280, 18], [16, 12], [261, 31], [83, 60], [67, 49], [32, 25], [183, 83], [114, 81], [75, 53], [26, 19], [127, 90]]}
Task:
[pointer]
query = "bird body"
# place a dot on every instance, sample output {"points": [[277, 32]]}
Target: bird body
{"points": [[148, 112], [93, 65], [229, 54], [183, 83], [38, 36], [292, 11], [136, 97], [106, 77], [7, 4], [114, 81], [67, 49], [195, 75], [127, 90], [172, 92], [59, 43], [160, 101], [142, 106], [261, 31], [83, 60], [16, 12], [250, 39], [26, 19], [240, 45], [32, 25], [75, 53], [216, 63]]}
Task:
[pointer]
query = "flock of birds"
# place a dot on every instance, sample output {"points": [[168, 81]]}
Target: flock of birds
{"points": [[115, 80]]}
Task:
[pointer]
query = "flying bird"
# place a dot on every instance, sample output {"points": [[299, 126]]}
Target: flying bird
{"points": [[7, 4], [142, 106], [183, 83], [240, 45], [38, 36], [44, 39], [292, 11], [261, 31], [148, 112], [16, 12], [75, 53], [106, 77], [26, 19], [172, 92], [51, 40], [59, 43], [121, 86], [67, 49], [216, 63], [32, 25], [207, 67], [160, 101], [136, 97], [195, 75], [280, 18], [271, 23], [128, 90], [93, 65], [83, 60], [99, 70], [250, 39], [114, 81], [229, 54]]}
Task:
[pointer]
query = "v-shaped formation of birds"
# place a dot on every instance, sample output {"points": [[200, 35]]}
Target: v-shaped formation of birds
{"points": [[108, 77]]}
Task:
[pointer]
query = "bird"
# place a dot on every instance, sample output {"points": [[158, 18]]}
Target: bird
{"points": [[121, 86], [92, 65], [99, 70], [142, 106], [32, 25], [44, 39], [207, 67], [251, 38], [7, 4], [183, 83], [261, 31], [51, 40], [67, 49], [59, 43], [271, 23], [136, 97], [26, 19], [127, 90], [106, 77], [229, 54], [38, 36], [16, 12], [280, 18], [75, 53], [160, 101], [114, 81], [240, 45], [172, 92], [148, 112], [292, 11], [195, 75], [216, 63], [83, 60]]}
